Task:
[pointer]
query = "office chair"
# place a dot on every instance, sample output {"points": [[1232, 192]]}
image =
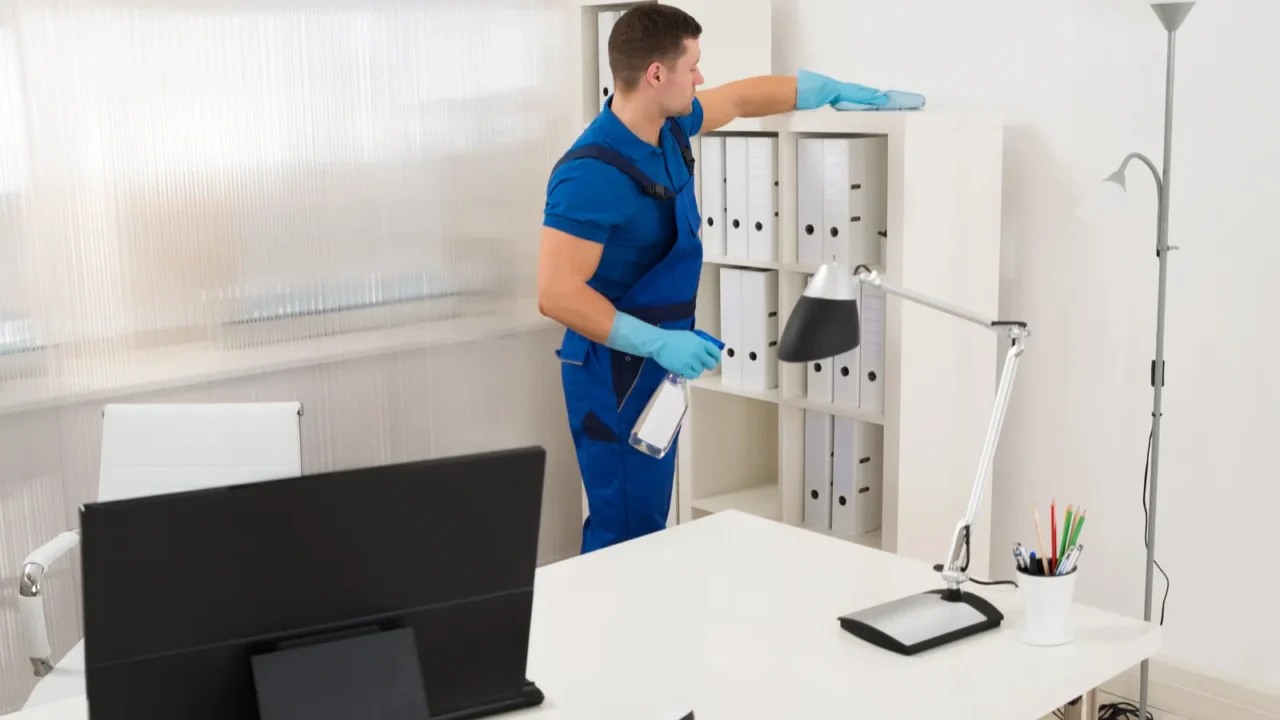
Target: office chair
{"points": [[151, 450]]}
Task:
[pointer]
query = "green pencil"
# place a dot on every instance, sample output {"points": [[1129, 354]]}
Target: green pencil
{"points": [[1075, 534], [1066, 530]]}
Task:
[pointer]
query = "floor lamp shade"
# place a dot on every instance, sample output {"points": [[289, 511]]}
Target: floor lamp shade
{"points": [[1172, 13]]}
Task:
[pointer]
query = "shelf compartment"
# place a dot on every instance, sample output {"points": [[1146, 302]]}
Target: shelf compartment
{"points": [[742, 262], [729, 449], [873, 539], [715, 383], [866, 416], [763, 501], [808, 269]]}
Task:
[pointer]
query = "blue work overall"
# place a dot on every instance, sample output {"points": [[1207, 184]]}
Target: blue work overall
{"points": [[605, 390]]}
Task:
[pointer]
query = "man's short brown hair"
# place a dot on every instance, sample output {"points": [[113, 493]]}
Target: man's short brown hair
{"points": [[646, 34]]}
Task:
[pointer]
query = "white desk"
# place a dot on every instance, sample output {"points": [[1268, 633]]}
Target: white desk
{"points": [[734, 617]]}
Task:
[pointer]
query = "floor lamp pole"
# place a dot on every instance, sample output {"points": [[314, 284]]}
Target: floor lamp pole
{"points": [[1171, 16]]}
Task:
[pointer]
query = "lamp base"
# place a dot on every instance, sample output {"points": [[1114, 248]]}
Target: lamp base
{"points": [[922, 622]]}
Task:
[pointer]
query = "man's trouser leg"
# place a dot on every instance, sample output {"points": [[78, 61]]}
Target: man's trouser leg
{"points": [[628, 492]]}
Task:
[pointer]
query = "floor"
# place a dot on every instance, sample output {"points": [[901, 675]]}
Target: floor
{"points": [[1156, 714]]}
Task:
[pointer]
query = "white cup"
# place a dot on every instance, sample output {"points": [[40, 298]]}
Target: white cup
{"points": [[1046, 608]]}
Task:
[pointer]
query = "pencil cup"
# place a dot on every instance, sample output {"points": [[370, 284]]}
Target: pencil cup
{"points": [[1046, 608]]}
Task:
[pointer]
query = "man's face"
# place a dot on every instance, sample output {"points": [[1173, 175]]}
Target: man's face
{"points": [[680, 79]]}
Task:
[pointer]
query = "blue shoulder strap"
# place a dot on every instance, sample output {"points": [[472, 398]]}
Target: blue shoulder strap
{"points": [[682, 141], [612, 157], [618, 161]]}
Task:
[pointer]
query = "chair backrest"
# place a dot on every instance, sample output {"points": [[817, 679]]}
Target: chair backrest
{"points": [[165, 448]]}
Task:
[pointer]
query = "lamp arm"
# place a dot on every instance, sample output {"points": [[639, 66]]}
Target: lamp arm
{"points": [[1150, 166], [956, 569], [873, 278]]}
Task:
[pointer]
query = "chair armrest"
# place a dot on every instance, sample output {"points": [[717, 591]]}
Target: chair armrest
{"points": [[35, 630]]}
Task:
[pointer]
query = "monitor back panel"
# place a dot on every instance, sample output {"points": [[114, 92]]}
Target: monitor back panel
{"points": [[181, 590]]}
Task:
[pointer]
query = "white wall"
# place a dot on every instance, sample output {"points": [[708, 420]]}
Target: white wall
{"points": [[1081, 82]]}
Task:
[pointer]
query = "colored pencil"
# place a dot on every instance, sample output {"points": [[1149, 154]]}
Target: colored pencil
{"points": [[1075, 533], [1044, 560], [1053, 534], [1066, 531]]}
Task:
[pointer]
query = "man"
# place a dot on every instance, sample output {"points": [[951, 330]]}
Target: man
{"points": [[621, 257]]}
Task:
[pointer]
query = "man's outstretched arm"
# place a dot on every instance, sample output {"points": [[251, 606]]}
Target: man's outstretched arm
{"points": [[752, 97], [776, 94]]}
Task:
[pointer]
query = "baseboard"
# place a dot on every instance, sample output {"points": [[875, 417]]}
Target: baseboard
{"points": [[1195, 694]]}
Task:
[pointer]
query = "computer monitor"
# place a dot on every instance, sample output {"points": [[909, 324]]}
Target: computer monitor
{"points": [[362, 593]]}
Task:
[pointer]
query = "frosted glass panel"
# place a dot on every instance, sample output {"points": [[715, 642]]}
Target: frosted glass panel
{"points": [[224, 200], [232, 175]]}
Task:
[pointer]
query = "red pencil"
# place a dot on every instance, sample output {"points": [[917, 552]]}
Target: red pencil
{"points": [[1053, 534]]}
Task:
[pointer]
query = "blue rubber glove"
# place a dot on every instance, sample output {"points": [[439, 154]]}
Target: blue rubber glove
{"points": [[814, 91], [682, 352], [893, 100]]}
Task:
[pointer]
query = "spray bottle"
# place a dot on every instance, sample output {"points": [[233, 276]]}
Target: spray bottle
{"points": [[656, 430]]}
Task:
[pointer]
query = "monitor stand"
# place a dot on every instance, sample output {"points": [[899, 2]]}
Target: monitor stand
{"points": [[530, 696], [359, 673]]}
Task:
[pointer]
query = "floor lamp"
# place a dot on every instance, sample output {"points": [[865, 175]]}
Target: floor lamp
{"points": [[1171, 15]]}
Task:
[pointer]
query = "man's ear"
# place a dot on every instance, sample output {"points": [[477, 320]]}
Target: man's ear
{"points": [[654, 73]]}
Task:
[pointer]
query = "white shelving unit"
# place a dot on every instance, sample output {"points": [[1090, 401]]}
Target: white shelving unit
{"points": [[942, 212], [743, 449]]}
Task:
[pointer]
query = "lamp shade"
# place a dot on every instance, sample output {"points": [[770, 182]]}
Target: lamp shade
{"points": [[1172, 13], [1105, 200], [824, 322]]}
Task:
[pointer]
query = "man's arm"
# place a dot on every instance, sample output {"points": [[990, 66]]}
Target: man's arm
{"points": [[752, 97], [775, 94], [582, 208], [565, 264]]}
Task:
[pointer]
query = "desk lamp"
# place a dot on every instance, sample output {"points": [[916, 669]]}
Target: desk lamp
{"points": [[824, 323]]}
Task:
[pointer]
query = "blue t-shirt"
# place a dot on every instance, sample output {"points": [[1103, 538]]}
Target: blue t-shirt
{"points": [[591, 200]]}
